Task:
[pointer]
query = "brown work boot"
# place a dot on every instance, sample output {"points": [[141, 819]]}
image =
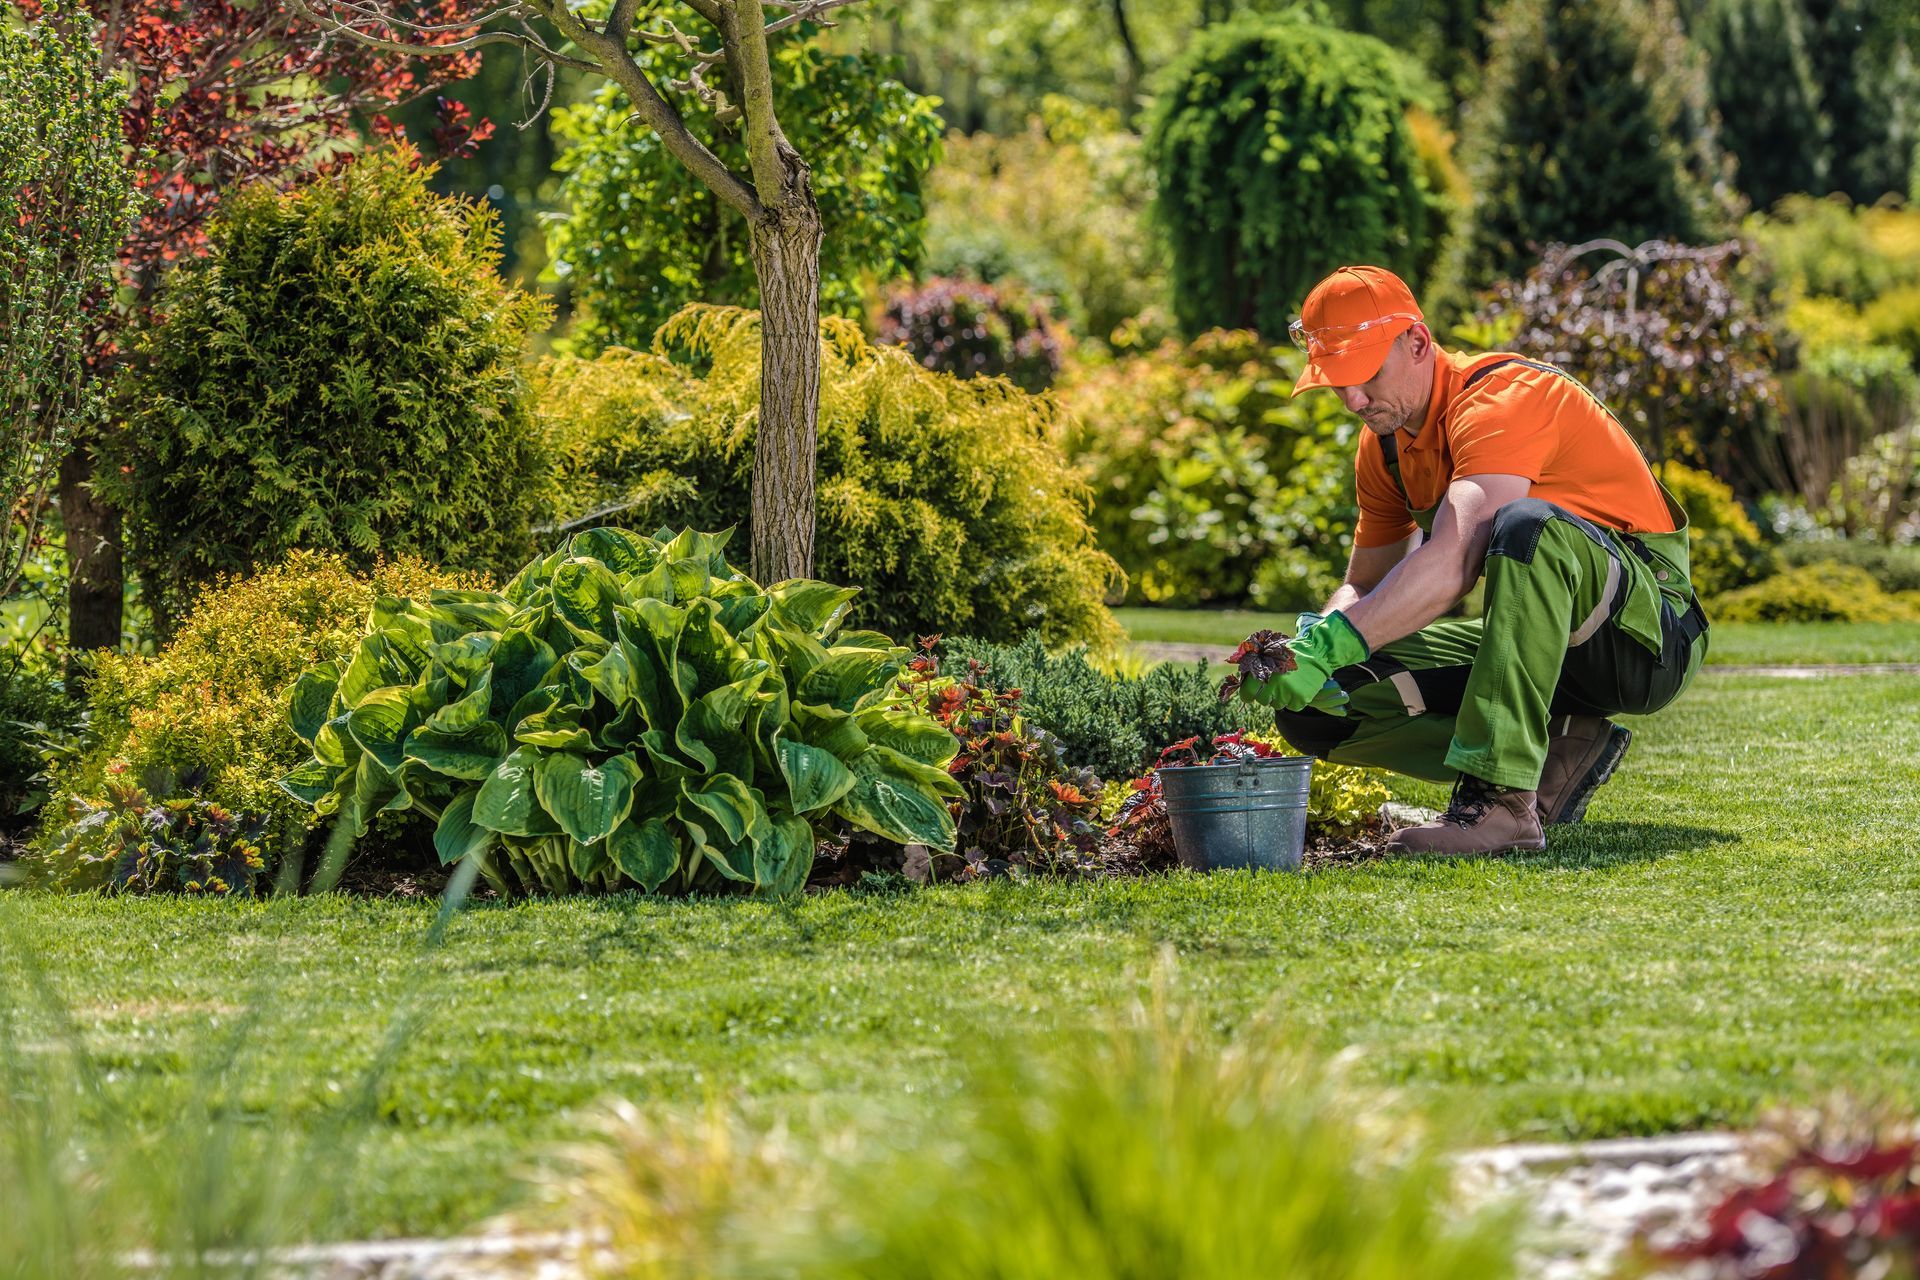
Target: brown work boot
{"points": [[1582, 753], [1483, 818]]}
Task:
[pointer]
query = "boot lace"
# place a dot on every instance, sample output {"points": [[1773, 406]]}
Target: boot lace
{"points": [[1472, 797]]}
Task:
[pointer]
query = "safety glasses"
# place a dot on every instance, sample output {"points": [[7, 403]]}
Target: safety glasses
{"points": [[1335, 338]]}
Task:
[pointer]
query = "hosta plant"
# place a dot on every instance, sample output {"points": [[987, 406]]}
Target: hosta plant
{"points": [[629, 711]]}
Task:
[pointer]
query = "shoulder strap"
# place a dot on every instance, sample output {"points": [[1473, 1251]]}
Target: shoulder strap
{"points": [[1390, 454]]}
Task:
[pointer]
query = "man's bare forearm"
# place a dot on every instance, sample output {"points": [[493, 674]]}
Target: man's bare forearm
{"points": [[1417, 591]]}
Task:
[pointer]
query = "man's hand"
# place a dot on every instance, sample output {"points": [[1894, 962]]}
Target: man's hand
{"points": [[1318, 652]]}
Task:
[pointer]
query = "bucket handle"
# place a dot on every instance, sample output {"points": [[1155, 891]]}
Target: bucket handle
{"points": [[1246, 776]]}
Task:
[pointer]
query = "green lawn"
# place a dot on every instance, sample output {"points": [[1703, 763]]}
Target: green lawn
{"points": [[1738, 924], [1732, 642]]}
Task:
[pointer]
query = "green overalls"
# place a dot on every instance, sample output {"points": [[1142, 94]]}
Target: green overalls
{"points": [[1579, 619]]}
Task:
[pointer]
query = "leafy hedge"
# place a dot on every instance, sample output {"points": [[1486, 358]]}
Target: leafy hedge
{"points": [[1210, 481], [974, 330], [1895, 569], [947, 502], [205, 718], [628, 711], [643, 236], [1727, 548], [1815, 593], [341, 372], [1114, 725]]}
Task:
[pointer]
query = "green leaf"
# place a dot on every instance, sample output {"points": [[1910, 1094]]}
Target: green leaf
{"points": [[466, 711], [890, 799], [507, 802], [587, 800], [311, 701], [783, 857], [847, 676], [380, 724], [612, 675], [739, 613], [909, 732], [646, 853], [309, 781], [455, 613], [735, 808], [715, 657], [829, 729], [815, 777], [557, 727], [814, 607], [619, 550], [584, 594], [521, 662], [468, 656], [333, 744], [458, 835], [587, 860], [373, 787], [710, 731], [469, 754]]}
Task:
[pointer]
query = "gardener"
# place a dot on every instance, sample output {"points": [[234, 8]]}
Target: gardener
{"points": [[1502, 466]]}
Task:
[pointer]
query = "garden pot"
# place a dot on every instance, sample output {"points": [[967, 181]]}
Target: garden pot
{"points": [[1245, 813]]}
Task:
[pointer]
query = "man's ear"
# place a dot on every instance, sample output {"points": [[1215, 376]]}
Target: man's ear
{"points": [[1419, 341]]}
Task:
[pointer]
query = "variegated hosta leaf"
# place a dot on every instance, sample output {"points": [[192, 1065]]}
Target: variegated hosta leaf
{"points": [[647, 853], [587, 800], [907, 731], [849, 675], [458, 835], [507, 802], [815, 776], [890, 797]]}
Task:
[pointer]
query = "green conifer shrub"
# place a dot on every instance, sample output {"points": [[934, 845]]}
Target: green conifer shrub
{"points": [[1114, 725], [341, 372], [1282, 151], [947, 502], [1769, 103], [1593, 122]]}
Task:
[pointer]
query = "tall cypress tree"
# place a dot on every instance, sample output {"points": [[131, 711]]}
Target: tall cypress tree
{"points": [[1767, 97], [1863, 53], [1594, 121]]}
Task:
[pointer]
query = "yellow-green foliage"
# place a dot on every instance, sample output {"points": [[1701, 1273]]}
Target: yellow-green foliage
{"points": [[1058, 207], [1815, 593], [947, 502], [1727, 548], [209, 711], [1210, 481], [1850, 276]]}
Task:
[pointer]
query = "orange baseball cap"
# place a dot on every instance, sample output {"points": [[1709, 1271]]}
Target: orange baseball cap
{"points": [[1348, 323]]}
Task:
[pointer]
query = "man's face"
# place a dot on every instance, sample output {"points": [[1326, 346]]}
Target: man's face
{"points": [[1396, 396]]}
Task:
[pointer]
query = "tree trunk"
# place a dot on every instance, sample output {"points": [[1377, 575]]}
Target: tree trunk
{"points": [[93, 558], [786, 258]]}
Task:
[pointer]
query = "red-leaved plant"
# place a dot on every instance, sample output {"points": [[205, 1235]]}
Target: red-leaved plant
{"points": [[1142, 816], [1261, 656], [1025, 809], [1831, 1212]]}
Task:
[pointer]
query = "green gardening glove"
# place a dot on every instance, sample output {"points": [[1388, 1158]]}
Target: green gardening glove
{"points": [[1327, 646]]}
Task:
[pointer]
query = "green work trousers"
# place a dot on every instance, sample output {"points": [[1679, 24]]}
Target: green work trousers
{"points": [[1478, 695]]}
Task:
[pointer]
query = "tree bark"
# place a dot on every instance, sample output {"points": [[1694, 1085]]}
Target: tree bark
{"points": [[93, 559], [786, 258]]}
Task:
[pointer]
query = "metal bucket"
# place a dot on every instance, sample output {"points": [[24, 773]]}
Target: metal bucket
{"points": [[1246, 813]]}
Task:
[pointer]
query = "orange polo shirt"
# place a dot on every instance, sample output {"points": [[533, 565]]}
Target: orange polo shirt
{"points": [[1516, 421]]}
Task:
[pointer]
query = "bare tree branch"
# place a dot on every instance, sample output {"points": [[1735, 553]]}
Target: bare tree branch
{"points": [[479, 40]]}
